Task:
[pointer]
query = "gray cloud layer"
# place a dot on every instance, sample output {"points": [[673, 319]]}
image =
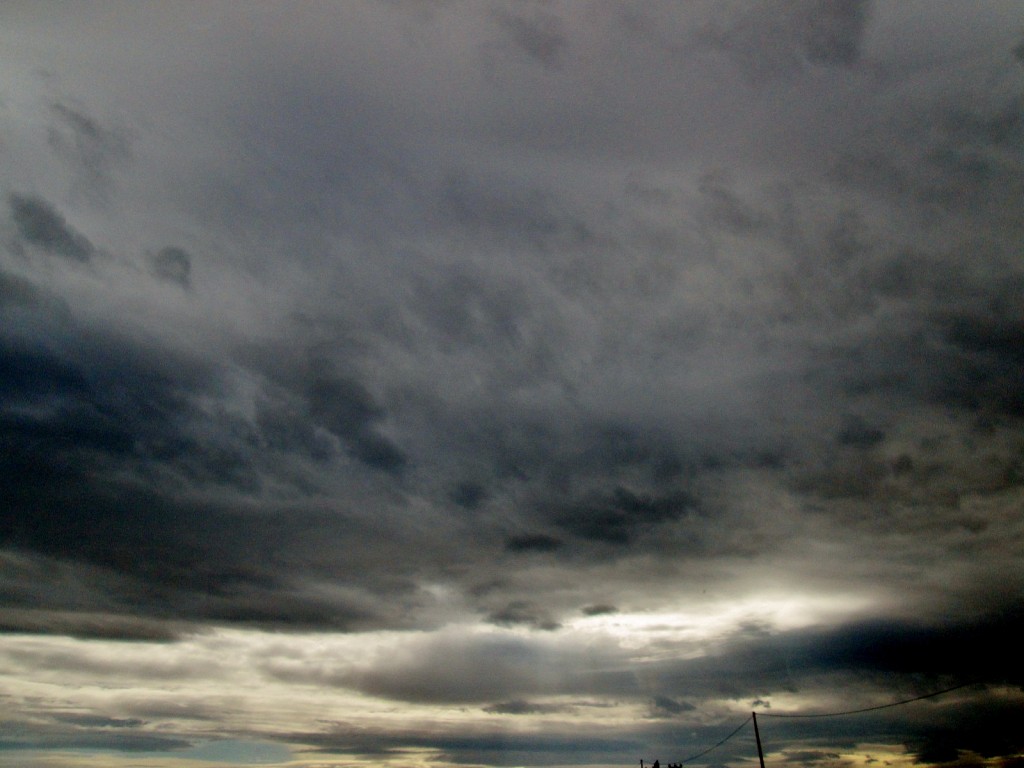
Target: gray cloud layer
{"points": [[516, 314]]}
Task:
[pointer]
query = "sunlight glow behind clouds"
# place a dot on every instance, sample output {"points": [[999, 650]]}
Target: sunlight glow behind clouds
{"points": [[708, 621]]}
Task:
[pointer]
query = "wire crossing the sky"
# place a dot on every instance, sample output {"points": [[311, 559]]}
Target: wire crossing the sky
{"points": [[868, 709], [820, 714], [716, 746]]}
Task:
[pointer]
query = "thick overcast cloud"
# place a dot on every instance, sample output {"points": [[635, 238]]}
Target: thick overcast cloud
{"points": [[510, 383]]}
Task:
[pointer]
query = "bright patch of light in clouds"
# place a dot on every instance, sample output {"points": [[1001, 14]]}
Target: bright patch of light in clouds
{"points": [[706, 622]]}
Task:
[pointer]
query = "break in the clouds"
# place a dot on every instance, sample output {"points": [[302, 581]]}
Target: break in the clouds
{"points": [[511, 383]]}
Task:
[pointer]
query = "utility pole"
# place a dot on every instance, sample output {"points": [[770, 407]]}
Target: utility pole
{"points": [[757, 735]]}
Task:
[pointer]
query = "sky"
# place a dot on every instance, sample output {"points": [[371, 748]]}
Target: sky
{"points": [[451, 383]]}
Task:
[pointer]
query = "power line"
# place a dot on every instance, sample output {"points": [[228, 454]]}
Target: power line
{"points": [[869, 709], [825, 714], [716, 746]]}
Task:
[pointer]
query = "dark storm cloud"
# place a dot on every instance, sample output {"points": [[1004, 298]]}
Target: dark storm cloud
{"points": [[989, 353], [161, 560], [101, 466], [924, 658], [856, 432], [469, 309], [39, 223], [571, 470], [98, 721], [536, 542], [469, 494], [344, 406], [927, 656], [667, 311], [285, 425], [25, 299], [959, 350], [89, 625], [16, 291], [472, 308], [30, 374], [90, 148], [961, 156], [308, 400], [617, 519], [776, 37], [95, 394], [986, 729], [519, 612], [504, 208], [540, 34], [726, 210], [173, 264], [599, 610], [666, 706], [832, 29], [978, 649], [105, 446], [523, 707], [948, 730]]}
